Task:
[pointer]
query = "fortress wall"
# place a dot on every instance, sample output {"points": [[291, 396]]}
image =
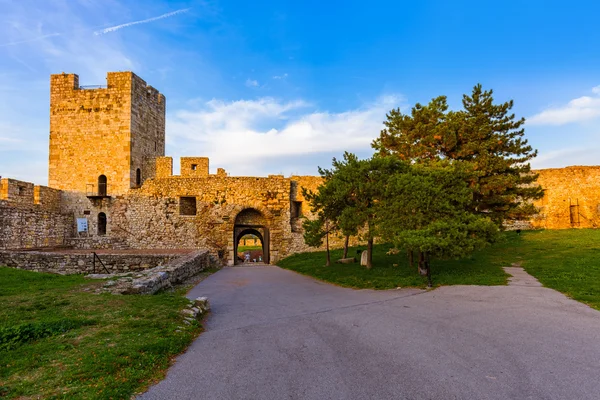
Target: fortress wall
{"points": [[151, 217], [30, 216], [571, 198], [47, 198], [30, 226]]}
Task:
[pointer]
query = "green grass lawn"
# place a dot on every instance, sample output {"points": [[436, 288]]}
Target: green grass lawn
{"points": [[58, 341], [565, 260], [241, 249]]}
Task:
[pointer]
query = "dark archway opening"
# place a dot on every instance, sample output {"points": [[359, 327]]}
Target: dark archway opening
{"points": [[251, 222], [138, 177], [101, 224], [102, 185]]}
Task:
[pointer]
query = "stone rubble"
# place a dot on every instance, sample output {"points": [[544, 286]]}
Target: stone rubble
{"points": [[158, 278]]}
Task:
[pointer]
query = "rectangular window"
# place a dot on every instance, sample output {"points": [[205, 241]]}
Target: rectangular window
{"points": [[194, 167], [187, 206]]}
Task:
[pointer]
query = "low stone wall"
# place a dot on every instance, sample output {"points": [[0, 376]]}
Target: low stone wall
{"points": [[161, 277], [74, 263]]}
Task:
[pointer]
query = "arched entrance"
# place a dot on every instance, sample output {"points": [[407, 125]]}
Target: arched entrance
{"points": [[251, 222]]}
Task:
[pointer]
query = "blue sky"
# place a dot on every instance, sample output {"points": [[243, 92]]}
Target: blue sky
{"points": [[281, 87]]}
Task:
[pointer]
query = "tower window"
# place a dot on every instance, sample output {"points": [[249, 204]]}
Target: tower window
{"points": [[101, 224], [138, 177], [102, 185], [194, 167]]}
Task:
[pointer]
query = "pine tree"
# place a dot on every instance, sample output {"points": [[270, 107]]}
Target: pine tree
{"points": [[484, 134], [351, 194], [426, 209]]}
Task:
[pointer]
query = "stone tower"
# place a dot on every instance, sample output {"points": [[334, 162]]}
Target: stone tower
{"points": [[104, 140]]}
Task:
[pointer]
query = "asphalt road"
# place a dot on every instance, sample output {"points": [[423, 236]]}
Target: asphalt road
{"points": [[274, 334]]}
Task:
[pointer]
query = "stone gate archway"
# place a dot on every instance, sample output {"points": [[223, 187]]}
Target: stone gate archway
{"points": [[251, 221]]}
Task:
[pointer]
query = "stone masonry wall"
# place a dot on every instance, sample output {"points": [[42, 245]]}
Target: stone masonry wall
{"points": [[32, 227], [147, 128], [75, 263], [571, 198], [164, 276], [30, 216], [151, 214]]}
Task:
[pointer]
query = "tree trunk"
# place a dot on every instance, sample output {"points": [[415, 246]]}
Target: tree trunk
{"points": [[422, 265], [428, 266], [370, 253], [411, 258], [328, 263], [346, 246]]}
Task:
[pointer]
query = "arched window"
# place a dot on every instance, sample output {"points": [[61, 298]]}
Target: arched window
{"points": [[101, 224], [102, 185], [138, 177]]}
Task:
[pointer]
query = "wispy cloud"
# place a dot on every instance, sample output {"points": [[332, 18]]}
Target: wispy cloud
{"points": [[581, 109], [251, 82], [35, 39], [144, 21], [278, 77]]}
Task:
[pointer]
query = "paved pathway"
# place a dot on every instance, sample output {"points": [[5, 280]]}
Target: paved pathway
{"points": [[520, 277], [274, 334]]}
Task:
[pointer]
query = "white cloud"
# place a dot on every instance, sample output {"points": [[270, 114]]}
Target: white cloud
{"points": [[251, 82], [240, 135], [582, 109], [278, 77], [566, 157]]}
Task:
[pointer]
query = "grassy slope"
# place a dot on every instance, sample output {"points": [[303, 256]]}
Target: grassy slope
{"points": [[565, 260], [127, 342]]}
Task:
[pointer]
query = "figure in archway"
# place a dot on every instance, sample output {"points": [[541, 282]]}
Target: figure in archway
{"points": [[249, 246]]}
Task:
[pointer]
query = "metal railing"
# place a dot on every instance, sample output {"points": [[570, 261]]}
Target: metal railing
{"points": [[95, 256], [90, 190]]}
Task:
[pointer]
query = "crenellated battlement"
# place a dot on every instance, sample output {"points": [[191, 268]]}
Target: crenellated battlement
{"points": [[21, 193]]}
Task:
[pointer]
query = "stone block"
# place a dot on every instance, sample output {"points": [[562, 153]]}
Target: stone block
{"points": [[346, 260], [363, 258]]}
